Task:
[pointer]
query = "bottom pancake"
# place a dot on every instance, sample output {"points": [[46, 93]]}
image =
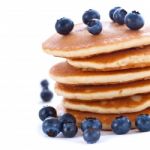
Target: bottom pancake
{"points": [[106, 119]]}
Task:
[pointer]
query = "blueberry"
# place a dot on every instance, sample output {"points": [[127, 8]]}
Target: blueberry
{"points": [[94, 27], [111, 12], [143, 123], [46, 112], [69, 130], [64, 26], [121, 125], [46, 95], [44, 84], [91, 135], [67, 118], [134, 20], [119, 15], [91, 123], [51, 127], [89, 15]]}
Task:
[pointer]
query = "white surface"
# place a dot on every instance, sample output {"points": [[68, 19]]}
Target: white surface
{"points": [[24, 25]]}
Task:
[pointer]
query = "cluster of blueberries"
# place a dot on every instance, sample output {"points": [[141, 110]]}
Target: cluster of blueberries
{"points": [[91, 127], [52, 125], [66, 124], [91, 18], [132, 20]]}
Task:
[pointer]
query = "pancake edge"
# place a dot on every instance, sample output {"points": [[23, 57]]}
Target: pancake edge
{"points": [[109, 110], [81, 53], [102, 95], [101, 79]]}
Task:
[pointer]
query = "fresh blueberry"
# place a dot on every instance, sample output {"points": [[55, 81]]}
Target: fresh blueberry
{"points": [[89, 15], [46, 95], [69, 130], [94, 27], [121, 125], [91, 135], [51, 127], [64, 26], [46, 112], [111, 12], [143, 123], [119, 15], [67, 118], [134, 20], [91, 123], [44, 84]]}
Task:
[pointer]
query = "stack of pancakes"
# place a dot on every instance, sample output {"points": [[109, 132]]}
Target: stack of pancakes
{"points": [[104, 76]]}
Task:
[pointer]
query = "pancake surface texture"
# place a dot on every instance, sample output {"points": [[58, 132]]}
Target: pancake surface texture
{"points": [[99, 92], [80, 43], [65, 73], [130, 58], [119, 105]]}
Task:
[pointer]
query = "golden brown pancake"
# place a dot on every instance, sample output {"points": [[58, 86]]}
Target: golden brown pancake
{"points": [[106, 119], [130, 58], [80, 43], [99, 92], [65, 73], [117, 105]]}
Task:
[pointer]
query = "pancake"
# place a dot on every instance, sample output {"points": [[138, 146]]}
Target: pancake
{"points": [[101, 92], [106, 119], [119, 105], [65, 73], [80, 43], [130, 58]]}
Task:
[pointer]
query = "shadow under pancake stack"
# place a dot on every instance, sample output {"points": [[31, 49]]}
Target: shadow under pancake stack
{"points": [[104, 76]]}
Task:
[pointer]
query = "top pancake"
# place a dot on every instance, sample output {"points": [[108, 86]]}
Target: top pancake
{"points": [[80, 43]]}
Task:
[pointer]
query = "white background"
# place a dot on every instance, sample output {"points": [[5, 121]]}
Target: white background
{"points": [[24, 25]]}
